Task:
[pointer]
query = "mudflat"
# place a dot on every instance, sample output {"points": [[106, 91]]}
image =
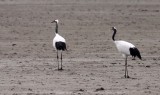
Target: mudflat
{"points": [[92, 64]]}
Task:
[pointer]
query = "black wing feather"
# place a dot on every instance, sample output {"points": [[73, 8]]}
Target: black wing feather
{"points": [[60, 46]]}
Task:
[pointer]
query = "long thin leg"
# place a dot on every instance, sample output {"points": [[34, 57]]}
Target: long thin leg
{"points": [[126, 70], [57, 59], [125, 67], [61, 61]]}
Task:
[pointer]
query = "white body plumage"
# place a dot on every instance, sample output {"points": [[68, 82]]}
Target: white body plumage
{"points": [[58, 38], [123, 47]]}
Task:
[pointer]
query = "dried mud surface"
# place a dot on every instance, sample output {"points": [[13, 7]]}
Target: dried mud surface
{"points": [[92, 65]]}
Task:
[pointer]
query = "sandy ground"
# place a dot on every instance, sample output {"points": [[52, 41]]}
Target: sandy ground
{"points": [[92, 65]]}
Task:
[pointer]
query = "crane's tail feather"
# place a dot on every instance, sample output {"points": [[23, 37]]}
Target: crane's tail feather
{"points": [[135, 52]]}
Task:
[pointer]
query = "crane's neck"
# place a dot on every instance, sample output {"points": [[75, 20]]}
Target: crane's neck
{"points": [[56, 29], [114, 33]]}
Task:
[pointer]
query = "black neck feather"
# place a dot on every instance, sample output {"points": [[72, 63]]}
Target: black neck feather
{"points": [[114, 34], [56, 29]]}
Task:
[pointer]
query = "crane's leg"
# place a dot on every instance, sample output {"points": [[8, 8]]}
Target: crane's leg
{"points": [[126, 70], [61, 62], [57, 59]]}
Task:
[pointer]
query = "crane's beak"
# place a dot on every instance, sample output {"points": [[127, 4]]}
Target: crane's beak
{"points": [[113, 28], [53, 21]]}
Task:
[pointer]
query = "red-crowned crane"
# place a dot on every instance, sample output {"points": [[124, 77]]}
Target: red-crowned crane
{"points": [[59, 43], [126, 49]]}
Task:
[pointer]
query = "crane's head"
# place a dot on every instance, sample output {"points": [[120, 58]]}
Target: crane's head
{"points": [[113, 28], [55, 21]]}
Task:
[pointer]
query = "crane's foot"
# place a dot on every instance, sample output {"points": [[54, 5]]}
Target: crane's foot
{"points": [[126, 76], [60, 69]]}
